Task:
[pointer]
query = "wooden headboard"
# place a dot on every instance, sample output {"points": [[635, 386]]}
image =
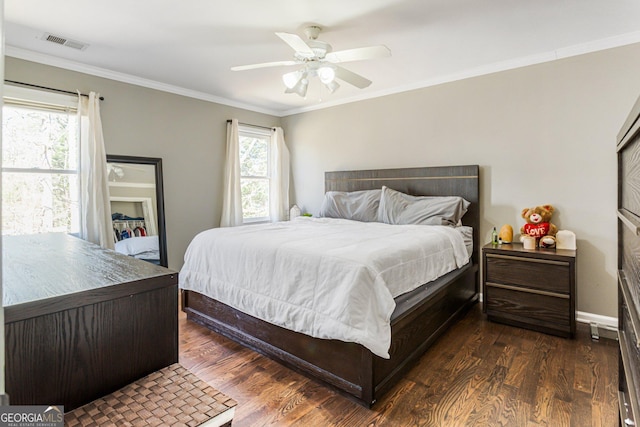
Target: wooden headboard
{"points": [[463, 181]]}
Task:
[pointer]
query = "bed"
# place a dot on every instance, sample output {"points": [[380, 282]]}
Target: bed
{"points": [[417, 319]]}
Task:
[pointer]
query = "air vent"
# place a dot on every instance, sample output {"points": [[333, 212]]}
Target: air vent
{"points": [[55, 39], [74, 44]]}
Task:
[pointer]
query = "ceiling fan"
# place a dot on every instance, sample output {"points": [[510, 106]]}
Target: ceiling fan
{"points": [[320, 61]]}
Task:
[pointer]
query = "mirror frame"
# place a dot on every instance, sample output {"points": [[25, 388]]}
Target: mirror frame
{"points": [[157, 163]]}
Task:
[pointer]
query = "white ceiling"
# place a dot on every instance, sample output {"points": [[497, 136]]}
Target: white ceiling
{"points": [[189, 46]]}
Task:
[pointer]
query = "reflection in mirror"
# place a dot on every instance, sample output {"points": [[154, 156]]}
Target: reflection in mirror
{"points": [[137, 207]]}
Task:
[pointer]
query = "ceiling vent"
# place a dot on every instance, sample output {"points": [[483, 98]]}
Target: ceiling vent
{"points": [[74, 44]]}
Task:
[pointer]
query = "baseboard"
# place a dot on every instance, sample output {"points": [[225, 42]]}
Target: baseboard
{"points": [[602, 321]]}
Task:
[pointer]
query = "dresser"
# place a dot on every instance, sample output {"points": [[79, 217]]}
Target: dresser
{"points": [[534, 289], [82, 321], [628, 152]]}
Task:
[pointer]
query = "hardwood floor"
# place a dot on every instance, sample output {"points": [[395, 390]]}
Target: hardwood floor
{"points": [[478, 374]]}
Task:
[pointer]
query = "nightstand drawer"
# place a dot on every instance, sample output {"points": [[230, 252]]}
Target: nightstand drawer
{"points": [[547, 275], [531, 307]]}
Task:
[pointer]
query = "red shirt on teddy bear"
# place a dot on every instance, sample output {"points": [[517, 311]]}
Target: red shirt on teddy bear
{"points": [[537, 230]]}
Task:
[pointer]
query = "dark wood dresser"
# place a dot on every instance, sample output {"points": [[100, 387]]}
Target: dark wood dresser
{"points": [[534, 289], [628, 149], [81, 321]]}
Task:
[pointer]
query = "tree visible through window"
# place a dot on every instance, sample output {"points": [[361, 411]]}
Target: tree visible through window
{"points": [[40, 165], [255, 174]]}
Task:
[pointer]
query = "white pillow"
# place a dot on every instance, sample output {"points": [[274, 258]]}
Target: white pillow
{"points": [[137, 245], [400, 208], [355, 205]]}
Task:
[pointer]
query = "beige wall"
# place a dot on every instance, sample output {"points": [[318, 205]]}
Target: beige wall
{"points": [[188, 134], [541, 134]]}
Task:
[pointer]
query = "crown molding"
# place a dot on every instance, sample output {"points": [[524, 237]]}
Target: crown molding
{"points": [[561, 53], [41, 58]]}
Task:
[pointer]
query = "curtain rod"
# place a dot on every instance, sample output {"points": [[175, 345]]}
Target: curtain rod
{"points": [[49, 88], [255, 126]]}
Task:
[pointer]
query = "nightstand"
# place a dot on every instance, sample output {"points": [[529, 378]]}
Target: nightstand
{"points": [[533, 289]]}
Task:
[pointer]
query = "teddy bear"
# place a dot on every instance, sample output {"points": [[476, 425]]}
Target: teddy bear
{"points": [[539, 225]]}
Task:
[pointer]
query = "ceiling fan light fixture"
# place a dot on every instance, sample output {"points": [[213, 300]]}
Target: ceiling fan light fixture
{"points": [[300, 87], [291, 79], [332, 86], [326, 74]]}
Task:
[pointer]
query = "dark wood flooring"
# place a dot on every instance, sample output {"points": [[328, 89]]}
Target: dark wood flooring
{"points": [[478, 374]]}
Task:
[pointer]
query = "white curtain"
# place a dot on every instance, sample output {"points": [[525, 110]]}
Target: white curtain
{"points": [[95, 221], [232, 197], [279, 193]]}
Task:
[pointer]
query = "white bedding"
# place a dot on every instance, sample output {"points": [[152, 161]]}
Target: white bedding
{"points": [[324, 277], [145, 247]]}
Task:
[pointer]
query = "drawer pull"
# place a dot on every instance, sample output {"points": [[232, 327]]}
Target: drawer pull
{"points": [[517, 258], [631, 307], [628, 136], [622, 408], [630, 220], [527, 290], [626, 363]]}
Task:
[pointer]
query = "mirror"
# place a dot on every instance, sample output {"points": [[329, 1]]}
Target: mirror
{"points": [[137, 207]]}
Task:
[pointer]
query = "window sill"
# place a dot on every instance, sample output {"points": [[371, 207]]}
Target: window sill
{"points": [[256, 221]]}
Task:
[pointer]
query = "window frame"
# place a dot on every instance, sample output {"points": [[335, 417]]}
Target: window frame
{"points": [[256, 132], [30, 99]]}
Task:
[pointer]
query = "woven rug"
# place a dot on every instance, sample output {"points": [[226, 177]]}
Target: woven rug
{"points": [[172, 396]]}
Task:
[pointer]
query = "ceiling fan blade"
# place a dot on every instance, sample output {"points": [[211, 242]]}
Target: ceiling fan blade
{"points": [[263, 65], [352, 78], [296, 42], [358, 54]]}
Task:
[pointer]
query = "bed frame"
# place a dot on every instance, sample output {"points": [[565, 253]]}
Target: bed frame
{"points": [[420, 317]]}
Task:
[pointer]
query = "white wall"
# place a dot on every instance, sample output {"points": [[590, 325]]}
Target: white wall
{"points": [[541, 134]]}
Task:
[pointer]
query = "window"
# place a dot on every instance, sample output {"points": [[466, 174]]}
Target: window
{"points": [[255, 173], [40, 163]]}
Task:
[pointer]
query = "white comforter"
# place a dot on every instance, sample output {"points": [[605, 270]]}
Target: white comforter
{"points": [[328, 278]]}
